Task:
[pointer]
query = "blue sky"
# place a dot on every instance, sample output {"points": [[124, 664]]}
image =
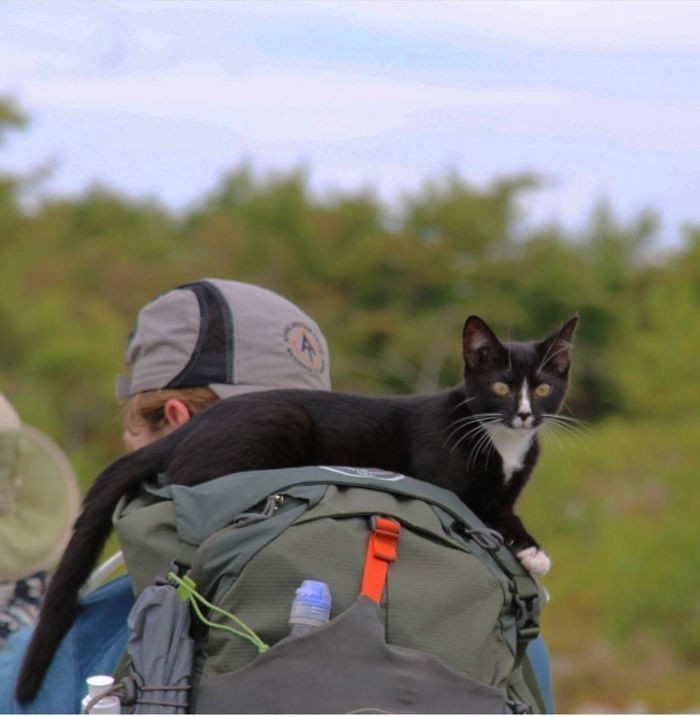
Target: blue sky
{"points": [[159, 98]]}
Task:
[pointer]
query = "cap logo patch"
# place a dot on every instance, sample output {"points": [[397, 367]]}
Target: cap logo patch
{"points": [[304, 347]]}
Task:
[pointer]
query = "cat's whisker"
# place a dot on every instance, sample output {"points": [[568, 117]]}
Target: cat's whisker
{"points": [[459, 424], [489, 446], [562, 428], [565, 428], [481, 420], [458, 441], [558, 430], [567, 423], [473, 453], [562, 418], [550, 432], [464, 403], [467, 434], [466, 429], [466, 420], [567, 408], [473, 419], [484, 442]]}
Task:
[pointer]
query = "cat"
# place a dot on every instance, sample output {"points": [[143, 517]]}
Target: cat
{"points": [[479, 440]]}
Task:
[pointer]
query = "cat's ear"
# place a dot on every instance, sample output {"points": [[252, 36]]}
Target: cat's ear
{"points": [[555, 348], [480, 346]]}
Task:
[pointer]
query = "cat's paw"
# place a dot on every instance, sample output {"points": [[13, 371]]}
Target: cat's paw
{"points": [[534, 560]]}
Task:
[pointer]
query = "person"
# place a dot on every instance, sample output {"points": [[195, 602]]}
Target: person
{"points": [[193, 345], [39, 500]]}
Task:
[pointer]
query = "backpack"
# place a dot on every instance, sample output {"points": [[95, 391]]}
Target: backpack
{"points": [[430, 611]]}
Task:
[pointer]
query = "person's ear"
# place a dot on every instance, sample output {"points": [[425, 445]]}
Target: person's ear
{"points": [[176, 413]]}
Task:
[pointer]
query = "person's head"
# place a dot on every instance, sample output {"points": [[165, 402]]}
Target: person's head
{"points": [[214, 339], [39, 498]]}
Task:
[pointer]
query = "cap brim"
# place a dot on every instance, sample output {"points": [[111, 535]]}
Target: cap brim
{"points": [[38, 525]]}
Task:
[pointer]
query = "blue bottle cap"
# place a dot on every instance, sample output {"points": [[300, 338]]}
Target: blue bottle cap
{"points": [[312, 603]]}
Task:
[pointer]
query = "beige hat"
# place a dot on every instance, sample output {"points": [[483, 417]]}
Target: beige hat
{"points": [[39, 498], [228, 335]]}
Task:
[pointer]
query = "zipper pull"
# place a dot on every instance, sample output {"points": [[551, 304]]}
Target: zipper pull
{"points": [[272, 505]]}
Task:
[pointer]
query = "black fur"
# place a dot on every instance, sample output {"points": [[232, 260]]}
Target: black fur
{"points": [[439, 438]]}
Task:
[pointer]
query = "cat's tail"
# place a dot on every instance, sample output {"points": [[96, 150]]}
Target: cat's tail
{"points": [[90, 532]]}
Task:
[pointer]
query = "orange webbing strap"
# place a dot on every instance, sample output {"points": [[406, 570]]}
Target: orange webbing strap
{"points": [[381, 550]]}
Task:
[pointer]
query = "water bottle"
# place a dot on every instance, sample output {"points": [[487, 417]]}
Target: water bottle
{"points": [[108, 705], [311, 608]]}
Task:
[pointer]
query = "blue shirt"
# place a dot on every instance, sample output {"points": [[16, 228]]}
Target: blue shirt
{"points": [[93, 646]]}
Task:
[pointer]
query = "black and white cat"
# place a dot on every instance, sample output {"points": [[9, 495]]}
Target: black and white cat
{"points": [[479, 440]]}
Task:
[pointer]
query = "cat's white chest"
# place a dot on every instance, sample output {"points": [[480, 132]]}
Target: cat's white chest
{"points": [[512, 446]]}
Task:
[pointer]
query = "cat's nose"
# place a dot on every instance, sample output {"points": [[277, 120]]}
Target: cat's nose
{"points": [[522, 419]]}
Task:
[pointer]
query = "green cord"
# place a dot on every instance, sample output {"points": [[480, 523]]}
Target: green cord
{"points": [[186, 590]]}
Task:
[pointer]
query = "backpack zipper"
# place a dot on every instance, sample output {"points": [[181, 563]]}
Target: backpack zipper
{"points": [[272, 504]]}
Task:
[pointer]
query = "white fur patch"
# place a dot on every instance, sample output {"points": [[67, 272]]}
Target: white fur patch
{"points": [[535, 561], [524, 406], [512, 445]]}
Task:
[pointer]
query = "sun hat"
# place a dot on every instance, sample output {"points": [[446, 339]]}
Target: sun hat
{"points": [[39, 498], [231, 336]]}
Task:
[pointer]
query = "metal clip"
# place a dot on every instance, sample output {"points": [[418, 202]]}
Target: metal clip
{"points": [[518, 708]]}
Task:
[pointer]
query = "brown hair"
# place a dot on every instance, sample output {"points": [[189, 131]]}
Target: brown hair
{"points": [[147, 408]]}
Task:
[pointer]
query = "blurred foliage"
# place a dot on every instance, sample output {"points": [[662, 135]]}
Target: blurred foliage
{"points": [[623, 624], [391, 289]]}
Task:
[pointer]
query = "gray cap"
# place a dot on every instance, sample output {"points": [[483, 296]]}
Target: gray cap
{"points": [[233, 337]]}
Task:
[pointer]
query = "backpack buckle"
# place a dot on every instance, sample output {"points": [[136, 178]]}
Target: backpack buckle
{"points": [[384, 526], [381, 551], [526, 599], [384, 538]]}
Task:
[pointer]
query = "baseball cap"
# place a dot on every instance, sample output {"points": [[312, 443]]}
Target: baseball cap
{"points": [[39, 498], [231, 336]]}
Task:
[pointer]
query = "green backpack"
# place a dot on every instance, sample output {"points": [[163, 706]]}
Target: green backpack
{"points": [[430, 612]]}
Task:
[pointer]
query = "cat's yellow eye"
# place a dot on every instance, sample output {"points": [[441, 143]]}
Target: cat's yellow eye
{"points": [[543, 390], [500, 388]]}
